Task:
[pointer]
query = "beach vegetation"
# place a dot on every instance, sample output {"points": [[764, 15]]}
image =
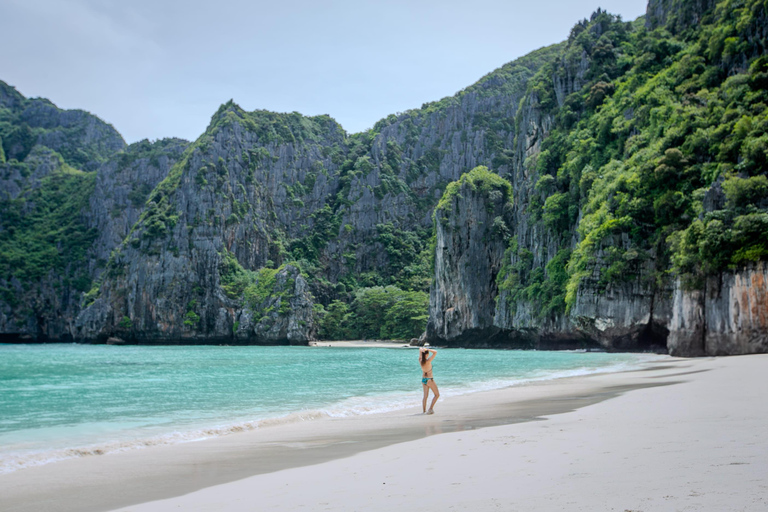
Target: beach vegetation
{"points": [[377, 312]]}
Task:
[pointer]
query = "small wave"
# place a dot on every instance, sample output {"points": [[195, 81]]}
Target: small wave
{"points": [[14, 461], [353, 406]]}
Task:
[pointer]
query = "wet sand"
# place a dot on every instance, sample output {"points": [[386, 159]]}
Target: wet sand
{"points": [[678, 435]]}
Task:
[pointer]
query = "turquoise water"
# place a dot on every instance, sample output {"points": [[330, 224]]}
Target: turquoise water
{"points": [[61, 401]]}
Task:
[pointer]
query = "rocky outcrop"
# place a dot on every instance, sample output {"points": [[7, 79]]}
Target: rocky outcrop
{"points": [[82, 139], [631, 311], [676, 15], [468, 308], [249, 190], [38, 299], [16, 178], [727, 316], [285, 315], [471, 235], [628, 315], [282, 316], [187, 266], [233, 238], [112, 198], [123, 185]]}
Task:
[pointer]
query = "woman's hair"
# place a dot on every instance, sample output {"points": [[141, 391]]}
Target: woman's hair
{"points": [[424, 355]]}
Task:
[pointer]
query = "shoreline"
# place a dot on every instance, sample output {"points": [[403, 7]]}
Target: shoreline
{"points": [[261, 467], [126, 478], [361, 343], [386, 404], [677, 435]]}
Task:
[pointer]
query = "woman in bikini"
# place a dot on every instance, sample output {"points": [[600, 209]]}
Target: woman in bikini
{"points": [[427, 382]]}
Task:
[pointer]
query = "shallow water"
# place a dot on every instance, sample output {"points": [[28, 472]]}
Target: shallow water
{"points": [[61, 401]]}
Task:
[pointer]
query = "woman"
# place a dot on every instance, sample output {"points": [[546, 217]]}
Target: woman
{"points": [[427, 382]]}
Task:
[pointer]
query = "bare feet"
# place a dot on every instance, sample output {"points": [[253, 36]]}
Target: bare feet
{"points": [[430, 412]]}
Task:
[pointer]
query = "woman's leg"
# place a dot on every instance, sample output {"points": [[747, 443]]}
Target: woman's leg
{"points": [[433, 387], [426, 395]]}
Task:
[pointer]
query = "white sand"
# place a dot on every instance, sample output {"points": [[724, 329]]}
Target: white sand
{"points": [[362, 343], [698, 445], [683, 434]]}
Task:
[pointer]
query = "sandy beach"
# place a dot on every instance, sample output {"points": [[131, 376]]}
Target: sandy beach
{"points": [[363, 344], [680, 434]]}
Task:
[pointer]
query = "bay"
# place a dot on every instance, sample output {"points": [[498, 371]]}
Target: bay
{"points": [[69, 400]]}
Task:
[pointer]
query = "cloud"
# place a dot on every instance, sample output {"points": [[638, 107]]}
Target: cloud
{"points": [[158, 68]]}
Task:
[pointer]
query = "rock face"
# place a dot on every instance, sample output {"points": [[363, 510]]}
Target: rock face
{"points": [[248, 190], [286, 313], [467, 308], [184, 271], [43, 192], [122, 187], [728, 317], [112, 198], [546, 294], [236, 237], [471, 233], [284, 316], [629, 316], [676, 15], [623, 316], [82, 139], [71, 181]]}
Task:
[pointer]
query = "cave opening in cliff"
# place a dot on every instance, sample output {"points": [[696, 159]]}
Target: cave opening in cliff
{"points": [[653, 338]]}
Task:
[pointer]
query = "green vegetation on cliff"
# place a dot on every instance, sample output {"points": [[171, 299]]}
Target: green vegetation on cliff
{"points": [[42, 232], [635, 149], [83, 140], [253, 288], [479, 179]]}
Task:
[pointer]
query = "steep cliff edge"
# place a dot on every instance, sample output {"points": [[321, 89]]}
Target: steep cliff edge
{"points": [[70, 190], [348, 211], [729, 316], [48, 158], [635, 153], [59, 229], [471, 232], [196, 266], [618, 189]]}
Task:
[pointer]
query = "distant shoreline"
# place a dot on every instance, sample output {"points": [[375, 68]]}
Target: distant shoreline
{"points": [[324, 343], [362, 343]]}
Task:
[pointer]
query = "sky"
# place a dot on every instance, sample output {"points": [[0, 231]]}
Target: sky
{"points": [[161, 68]]}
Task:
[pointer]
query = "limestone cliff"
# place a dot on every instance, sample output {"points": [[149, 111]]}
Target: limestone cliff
{"points": [[48, 165], [727, 316], [273, 189], [471, 233], [595, 236], [633, 154], [194, 267], [65, 223]]}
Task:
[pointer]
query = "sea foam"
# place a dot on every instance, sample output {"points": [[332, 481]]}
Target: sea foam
{"points": [[13, 460]]}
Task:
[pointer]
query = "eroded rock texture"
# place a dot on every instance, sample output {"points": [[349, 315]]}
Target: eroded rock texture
{"points": [[728, 316]]}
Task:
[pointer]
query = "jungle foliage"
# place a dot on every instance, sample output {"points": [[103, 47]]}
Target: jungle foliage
{"points": [[652, 163], [378, 312], [662, 125], [42, 231]]}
